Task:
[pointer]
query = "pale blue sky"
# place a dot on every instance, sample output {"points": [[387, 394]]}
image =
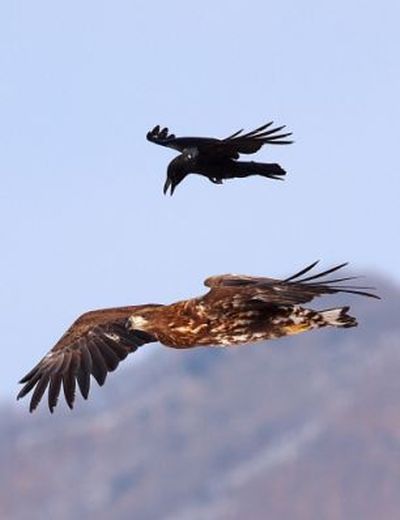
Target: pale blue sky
{"points": [[83, 222]]}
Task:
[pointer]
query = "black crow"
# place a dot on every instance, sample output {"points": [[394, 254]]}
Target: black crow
{"points": [[216, 158]]}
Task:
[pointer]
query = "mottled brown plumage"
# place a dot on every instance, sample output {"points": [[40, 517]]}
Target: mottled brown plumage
{"points": [[237, 310]]}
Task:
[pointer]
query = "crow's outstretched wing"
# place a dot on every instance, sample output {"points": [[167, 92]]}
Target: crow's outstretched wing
{"points": [[230, 147], [293, 290], [251, 142], [163, 138], [94, 345]]}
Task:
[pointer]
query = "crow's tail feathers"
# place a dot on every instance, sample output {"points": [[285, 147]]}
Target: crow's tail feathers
{"points": [[269, 170]]}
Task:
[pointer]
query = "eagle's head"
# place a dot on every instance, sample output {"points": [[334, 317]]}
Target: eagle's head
{"points": [[142, 317], [137, 322]]}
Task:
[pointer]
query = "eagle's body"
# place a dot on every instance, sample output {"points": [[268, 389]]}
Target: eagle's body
{"points": [[216, 159], [236, 310], [223, 320]]}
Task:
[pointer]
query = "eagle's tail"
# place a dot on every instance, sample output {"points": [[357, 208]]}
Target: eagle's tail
{"points": [[336, 318], [301, 320], [247, 168]]}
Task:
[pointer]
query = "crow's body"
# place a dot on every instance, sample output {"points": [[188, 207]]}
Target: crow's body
{"points": [[236, 310], [216, 159], [220, 169]]}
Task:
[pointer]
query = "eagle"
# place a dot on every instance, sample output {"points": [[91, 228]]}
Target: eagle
{"points": [[236, 310], [216, 158]]}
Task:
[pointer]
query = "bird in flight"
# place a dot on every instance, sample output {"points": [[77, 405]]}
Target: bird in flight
{"points": [[216, 159], [236, 310]]}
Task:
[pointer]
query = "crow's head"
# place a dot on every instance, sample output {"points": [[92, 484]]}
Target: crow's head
{"points": [[177, 170], [172, 181]]}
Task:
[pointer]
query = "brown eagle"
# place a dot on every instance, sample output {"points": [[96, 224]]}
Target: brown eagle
{"points": [[216, 158], [236, 310]]}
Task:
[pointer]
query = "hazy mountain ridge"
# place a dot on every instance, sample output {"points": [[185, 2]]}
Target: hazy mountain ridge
{"points": [[307, 427]]}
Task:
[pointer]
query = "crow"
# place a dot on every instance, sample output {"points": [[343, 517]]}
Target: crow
{"points": [[216, 158], [237, 309]]}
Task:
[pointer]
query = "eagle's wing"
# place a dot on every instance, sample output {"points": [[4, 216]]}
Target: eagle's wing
{"points": [[94, 345], [230, 147], [293, 290]]}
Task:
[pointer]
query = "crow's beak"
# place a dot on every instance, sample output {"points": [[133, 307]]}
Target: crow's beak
{"points": [[169, 185], [173, 186], [166, 185]]}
